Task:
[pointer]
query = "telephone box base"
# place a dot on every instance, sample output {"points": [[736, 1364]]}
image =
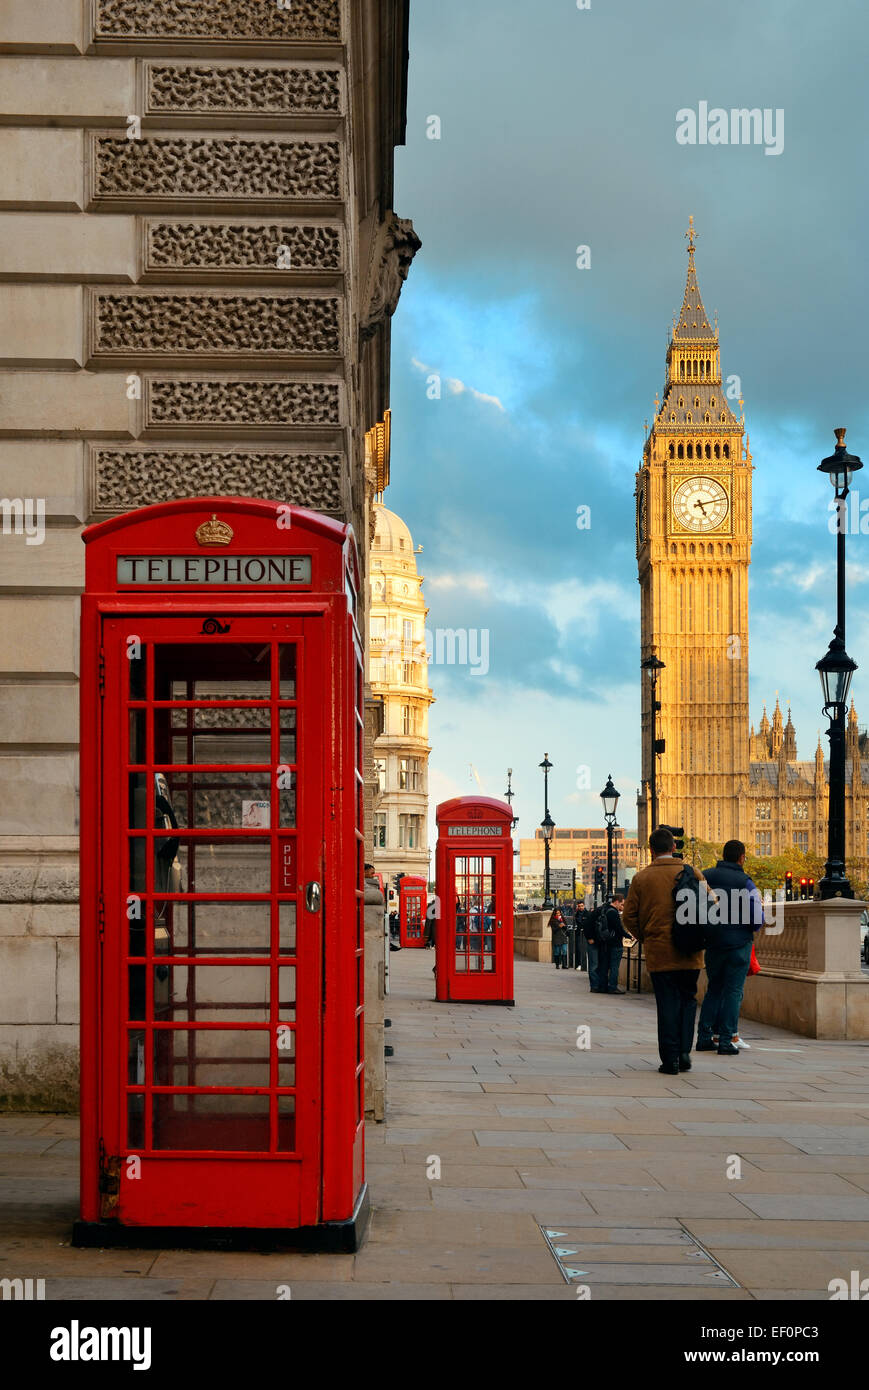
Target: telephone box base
{"points": [[505, 1003], [329, 1238]]}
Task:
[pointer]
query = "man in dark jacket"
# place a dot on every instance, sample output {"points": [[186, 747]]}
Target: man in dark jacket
{"points": [[729, 936], [605, 936]]}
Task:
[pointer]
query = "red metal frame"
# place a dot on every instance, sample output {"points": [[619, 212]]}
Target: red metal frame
{"points": [[474, 931], [412, 904], [305, 1164]]}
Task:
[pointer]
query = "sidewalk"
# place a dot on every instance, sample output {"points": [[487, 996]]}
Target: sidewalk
{"points": [[551, 1158]]}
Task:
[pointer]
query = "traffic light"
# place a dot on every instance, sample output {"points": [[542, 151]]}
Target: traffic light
{"points": [[804, 889], [789, 887], [678, 833], [811, 888]]}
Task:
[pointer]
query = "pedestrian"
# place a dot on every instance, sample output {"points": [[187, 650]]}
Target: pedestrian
{"points": [[737, 915], [649, 915], [582, 916], [559, 939], [605, 937]]}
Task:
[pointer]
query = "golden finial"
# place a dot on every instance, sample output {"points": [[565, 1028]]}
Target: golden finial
{"points": [[840, 437], [691, 235]]}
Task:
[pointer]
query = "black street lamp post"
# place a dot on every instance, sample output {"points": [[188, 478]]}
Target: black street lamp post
{"points": [[508, 797], [610, 798], [547, 825], [836, 670], [653, 666]]}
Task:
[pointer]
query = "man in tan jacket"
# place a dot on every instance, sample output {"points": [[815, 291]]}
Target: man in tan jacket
{"points": [[649, 914]]}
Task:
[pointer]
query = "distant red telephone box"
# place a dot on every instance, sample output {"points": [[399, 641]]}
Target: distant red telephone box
{"points": [[474, 930], [221, 876], [412, 904]]}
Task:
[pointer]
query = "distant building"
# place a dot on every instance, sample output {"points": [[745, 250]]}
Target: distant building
{"points": [[583, 850], [398, 673], [784, 802]]}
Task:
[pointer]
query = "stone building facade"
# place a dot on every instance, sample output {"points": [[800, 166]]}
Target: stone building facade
{"points": [[199, 260], [784, 803], [399, 679]]}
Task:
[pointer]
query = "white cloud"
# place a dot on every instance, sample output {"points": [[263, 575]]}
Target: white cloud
{"points": [[460, 388]]}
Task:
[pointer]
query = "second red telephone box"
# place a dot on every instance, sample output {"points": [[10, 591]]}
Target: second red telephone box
{"points": [[412, 900], [474, 931]]}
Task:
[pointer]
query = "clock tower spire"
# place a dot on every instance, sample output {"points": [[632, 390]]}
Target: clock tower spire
{"points": [[693, 552]]}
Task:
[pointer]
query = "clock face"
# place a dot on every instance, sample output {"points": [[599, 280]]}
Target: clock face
{"points": [[700, 504]]}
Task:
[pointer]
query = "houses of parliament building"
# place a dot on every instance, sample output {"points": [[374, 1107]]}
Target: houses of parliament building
{"points": [[717, 776]]}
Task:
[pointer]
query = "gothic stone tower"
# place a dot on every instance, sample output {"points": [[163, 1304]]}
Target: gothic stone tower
{"points": [[693, 551]]}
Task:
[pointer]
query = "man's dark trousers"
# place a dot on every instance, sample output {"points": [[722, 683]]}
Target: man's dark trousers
{"points": [[676, 998], [726, 969]]}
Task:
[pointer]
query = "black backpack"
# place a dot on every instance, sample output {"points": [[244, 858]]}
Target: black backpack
{"points": [[689, 925], [600, 927]]}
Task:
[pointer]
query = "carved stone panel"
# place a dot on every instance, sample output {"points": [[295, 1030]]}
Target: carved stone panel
{"points": [[238, 21], [241, 89], [132, 325], [277, 249], [124, 477], [270, 405], [164, 169]]}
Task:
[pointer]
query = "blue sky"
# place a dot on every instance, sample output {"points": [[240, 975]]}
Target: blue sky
{"points": [[558, 129]]}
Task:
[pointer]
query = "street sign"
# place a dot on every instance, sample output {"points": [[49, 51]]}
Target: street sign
{"points": [[561, 879]]}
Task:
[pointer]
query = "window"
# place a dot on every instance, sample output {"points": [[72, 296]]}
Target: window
{"points": [[407, 673], [801, 810], [409, 775], [407, 633], [763, 811], [801, 840], [408, 720], [409, 832], [763, 843], [378, 627], [380, 766], [380, 830]]}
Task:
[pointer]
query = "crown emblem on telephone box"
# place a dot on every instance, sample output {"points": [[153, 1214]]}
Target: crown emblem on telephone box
{"points": [[214, 532]]}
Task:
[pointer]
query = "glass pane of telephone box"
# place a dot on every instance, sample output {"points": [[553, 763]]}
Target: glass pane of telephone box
{"points": [[210, 929], [212, 1057], [216, 1122], [221, 800], [212, 671], [225, 866], [227, 993]]}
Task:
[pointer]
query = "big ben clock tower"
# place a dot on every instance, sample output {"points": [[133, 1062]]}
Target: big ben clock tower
{"points": [[693, 552]]}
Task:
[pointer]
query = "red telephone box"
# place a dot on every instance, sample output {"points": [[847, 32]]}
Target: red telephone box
{"points": [[412, 904], [474, 931], [221, 877]]}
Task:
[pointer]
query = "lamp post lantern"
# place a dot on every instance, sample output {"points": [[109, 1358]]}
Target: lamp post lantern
{"points": [[610, 798], [653, 666], [547, 826], [836, 670]]}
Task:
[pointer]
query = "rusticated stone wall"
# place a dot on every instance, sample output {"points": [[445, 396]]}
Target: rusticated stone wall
{"points": [[197, 244]]}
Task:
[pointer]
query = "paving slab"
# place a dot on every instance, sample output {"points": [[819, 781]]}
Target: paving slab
{"points": [[532, 1135]]}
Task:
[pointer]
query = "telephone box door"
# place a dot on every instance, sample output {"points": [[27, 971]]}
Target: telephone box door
{"points": [[212, 955]]}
